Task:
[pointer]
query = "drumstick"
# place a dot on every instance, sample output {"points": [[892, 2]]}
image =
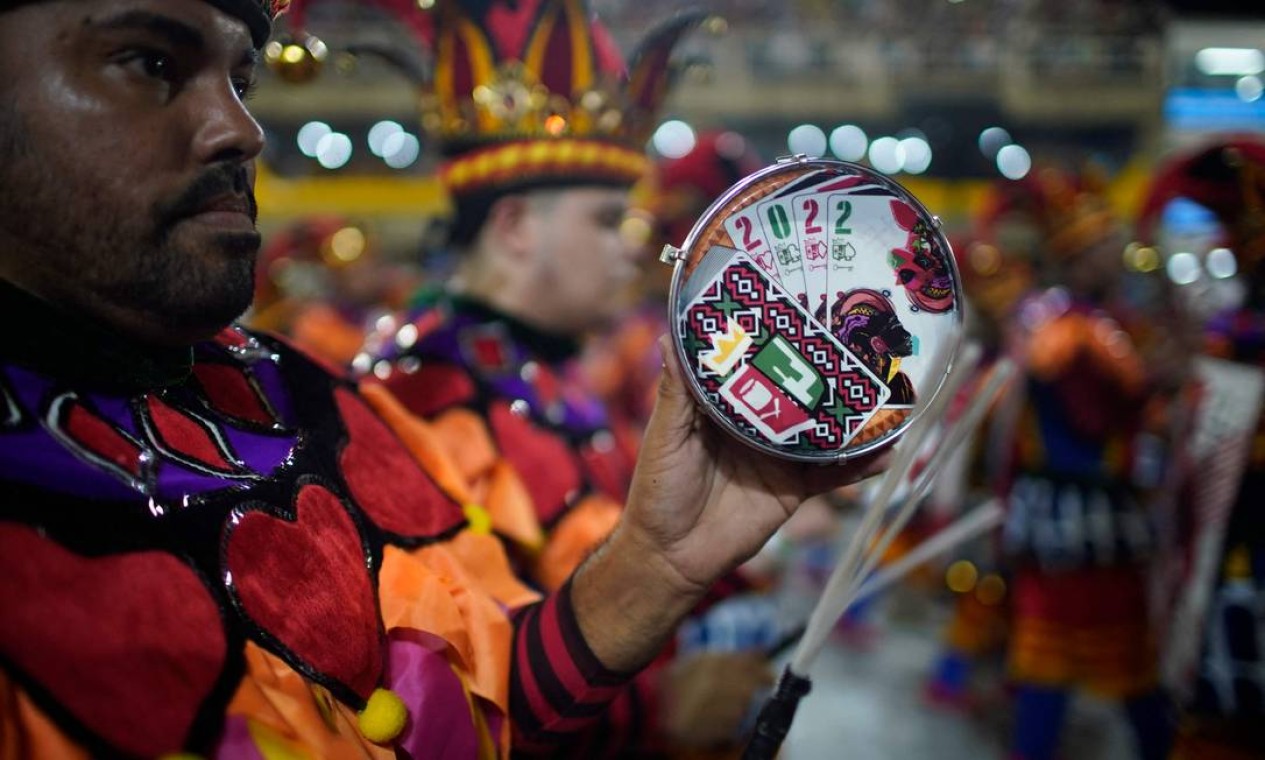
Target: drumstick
{"points": [[828, 606], [979, 520], [956, 435], [775, 718]]}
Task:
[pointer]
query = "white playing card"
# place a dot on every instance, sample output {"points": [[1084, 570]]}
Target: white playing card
{"points": [[862, 233], [810, 225], [776, 217], [748, 236]]}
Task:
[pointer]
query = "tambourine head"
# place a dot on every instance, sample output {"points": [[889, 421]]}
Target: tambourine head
{"points": [[807, 304]]}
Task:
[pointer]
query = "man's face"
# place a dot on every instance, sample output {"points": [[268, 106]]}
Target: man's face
{"points": [[582, 263], [125, 157]]}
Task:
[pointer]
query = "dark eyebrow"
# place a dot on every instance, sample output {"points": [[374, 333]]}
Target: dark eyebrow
{"points": [[178, 33]]}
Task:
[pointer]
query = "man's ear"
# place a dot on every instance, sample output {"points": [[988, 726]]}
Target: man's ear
{"points": [[509, 228]]}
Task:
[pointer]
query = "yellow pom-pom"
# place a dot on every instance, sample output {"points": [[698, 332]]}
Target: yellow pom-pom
{"points": [[383, 718], [479, 519]]}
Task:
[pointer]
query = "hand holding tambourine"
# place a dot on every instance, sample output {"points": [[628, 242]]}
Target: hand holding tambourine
{"points": [[807, 305]]}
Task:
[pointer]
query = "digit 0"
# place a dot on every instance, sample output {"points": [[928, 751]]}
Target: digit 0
{"points": [[780, 223]]}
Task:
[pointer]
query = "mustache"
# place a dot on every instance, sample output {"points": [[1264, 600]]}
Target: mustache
{"points": [[216, 182]]}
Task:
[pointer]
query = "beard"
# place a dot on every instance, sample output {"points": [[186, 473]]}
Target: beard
{"points": [[76, 244]]}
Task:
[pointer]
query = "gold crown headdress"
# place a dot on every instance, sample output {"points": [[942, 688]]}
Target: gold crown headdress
{"points": [[533, 92]]}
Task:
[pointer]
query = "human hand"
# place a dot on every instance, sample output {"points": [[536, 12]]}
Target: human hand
{"points": [[703, 502]]}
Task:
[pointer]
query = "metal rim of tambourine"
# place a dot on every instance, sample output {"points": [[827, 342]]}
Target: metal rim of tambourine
{"points": [[682, 255]]}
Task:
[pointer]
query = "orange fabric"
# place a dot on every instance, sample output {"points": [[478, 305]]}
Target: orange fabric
{"points": [[466, 439], [1074, 338], [430, 590], [975, 628], [576, 535], [282, 709], [429, 447], [1086, 627], [483, 559], [321, 330], [493, 483], [457, 451], [509, 504], [26, 733], [1055, 345]]}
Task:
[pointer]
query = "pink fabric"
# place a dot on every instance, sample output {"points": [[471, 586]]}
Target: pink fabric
{"points": [[421, 677], [235, 742]]}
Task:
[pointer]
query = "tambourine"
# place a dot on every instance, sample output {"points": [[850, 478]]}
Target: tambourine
{"points": [[807, 305]]}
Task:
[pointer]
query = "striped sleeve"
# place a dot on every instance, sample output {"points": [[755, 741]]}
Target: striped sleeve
{"points": [[559, 690]]}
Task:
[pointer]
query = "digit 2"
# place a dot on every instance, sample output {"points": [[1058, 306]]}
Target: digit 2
{"points": [[748, 241], [810, 225], [845, 210]]}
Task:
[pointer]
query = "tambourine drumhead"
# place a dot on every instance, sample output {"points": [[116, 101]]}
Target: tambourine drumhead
{"points": [[807, 304]]}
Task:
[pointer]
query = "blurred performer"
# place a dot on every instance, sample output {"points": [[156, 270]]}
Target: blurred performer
{"points": [[997, 272], [1076, 534], [542, 139], [1215, 641], [321, 282]]}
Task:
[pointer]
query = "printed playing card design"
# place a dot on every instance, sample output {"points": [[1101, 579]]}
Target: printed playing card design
{"points": [[814, 239], [747, 233], [750, 236], [775, 215], [814, 334], [773, 370], [860, 224]]}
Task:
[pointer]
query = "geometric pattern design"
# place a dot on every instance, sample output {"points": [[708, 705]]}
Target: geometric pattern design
{"points": [[743, 293]]}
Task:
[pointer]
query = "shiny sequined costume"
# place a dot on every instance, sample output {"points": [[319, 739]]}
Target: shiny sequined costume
{"points": [[226, 550], [538, 449]]}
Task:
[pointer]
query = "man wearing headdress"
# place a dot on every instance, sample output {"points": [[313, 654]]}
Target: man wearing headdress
{"points": [[210, 544]]}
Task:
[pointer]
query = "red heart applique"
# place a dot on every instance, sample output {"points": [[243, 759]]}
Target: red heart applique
{"points": [[232, 391], [129, 644], [386, 481], [543, 460], [188, 439], [306, 584], [98, 440]]}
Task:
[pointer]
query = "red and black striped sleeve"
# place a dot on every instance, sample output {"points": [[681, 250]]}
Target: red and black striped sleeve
{"points": [[563, 701]]}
